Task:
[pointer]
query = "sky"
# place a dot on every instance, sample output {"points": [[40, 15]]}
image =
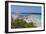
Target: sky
{"points": [[25, 9]]}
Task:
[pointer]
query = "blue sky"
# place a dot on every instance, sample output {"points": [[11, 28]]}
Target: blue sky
{"points": [[25, 9]]}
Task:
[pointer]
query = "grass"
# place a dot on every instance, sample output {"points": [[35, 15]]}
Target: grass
{"points": [[20, 23]]}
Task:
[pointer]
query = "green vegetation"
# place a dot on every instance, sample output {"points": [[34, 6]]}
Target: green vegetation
{"points": [[20, 23]]}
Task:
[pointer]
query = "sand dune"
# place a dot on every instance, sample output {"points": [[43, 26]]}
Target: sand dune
{"points": [[31, 18]]}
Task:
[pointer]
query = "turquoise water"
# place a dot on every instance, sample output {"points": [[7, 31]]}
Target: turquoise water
{"points": [[33, 15]]}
